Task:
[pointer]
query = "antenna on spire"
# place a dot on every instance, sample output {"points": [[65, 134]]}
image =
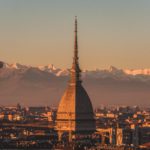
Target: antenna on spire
{"points": [[75, 22], [75, 18], [76, 30]]}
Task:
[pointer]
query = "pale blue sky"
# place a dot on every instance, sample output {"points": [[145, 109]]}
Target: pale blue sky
{"points": [[111, 32]]}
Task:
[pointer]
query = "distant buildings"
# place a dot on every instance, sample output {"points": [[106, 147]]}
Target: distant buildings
{"points": [[128, 127]]}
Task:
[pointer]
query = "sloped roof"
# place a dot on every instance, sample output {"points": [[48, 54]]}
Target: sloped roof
{"points": [[76, 101]]}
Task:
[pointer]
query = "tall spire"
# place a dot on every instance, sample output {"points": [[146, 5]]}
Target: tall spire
{"points": [[75, 70]]}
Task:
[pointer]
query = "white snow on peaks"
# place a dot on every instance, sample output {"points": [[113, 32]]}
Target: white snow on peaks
{"points": [[137, 71], [112, 69], [130, 71], [62, 73], [15, 66], [50, 68]]}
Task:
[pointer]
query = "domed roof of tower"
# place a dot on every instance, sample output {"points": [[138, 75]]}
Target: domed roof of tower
{"points": [[76, 100]]}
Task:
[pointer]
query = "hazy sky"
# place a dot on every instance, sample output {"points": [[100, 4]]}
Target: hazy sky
{"points": [[111, 32]]}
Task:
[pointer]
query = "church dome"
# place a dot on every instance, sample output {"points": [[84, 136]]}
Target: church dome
{"points": [[76, 106]]}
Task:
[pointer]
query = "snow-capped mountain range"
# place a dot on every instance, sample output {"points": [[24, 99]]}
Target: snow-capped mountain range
{"points": [[48, 68], [44, 85], [65, 72]]}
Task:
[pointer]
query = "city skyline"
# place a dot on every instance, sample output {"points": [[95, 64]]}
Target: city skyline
{"points": [[111, 33], [101, 101]]}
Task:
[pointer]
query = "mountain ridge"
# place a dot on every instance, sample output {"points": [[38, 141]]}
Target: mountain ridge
{"points": [[51, 68], [44, 85]]}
